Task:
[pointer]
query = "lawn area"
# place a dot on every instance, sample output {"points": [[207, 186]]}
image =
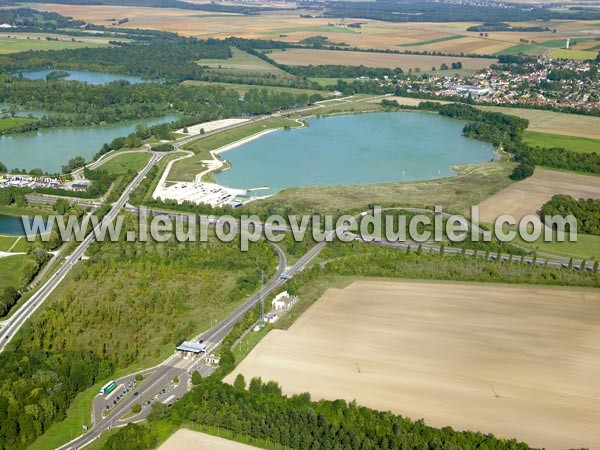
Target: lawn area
{"points": [[243, 88], [7, 123], [243, 63], [128, 161], [433, 41], [187, 169], [21, 45], [10, 268], [574, 143], [6, 242], [15, 244]]}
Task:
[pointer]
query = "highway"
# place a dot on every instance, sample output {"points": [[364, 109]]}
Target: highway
{"points": [[33, 303], [161, 376]]}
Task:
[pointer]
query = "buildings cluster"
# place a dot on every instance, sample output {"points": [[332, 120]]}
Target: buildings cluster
{"points": [[33, 182], [30, 181], [545, 82]]}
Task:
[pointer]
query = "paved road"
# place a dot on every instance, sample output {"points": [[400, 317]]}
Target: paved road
{"points": [[160, 377], [33, 303]]}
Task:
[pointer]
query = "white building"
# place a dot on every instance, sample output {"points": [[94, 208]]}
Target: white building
{"points": [[283, 301]]}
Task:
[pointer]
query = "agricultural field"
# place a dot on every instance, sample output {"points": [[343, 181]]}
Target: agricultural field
{"points": [[524, 49], [243, 63], [286, 25], [554, 122], [574, 143], [20, 43], [573, 54], [187, 439], [527, 196], [518, 362], [243, 88], [305, 57]]}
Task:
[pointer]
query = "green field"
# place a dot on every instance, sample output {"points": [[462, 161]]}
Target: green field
{"points": [[433, 41], [187, 169], [331, 81], [574, 143], [573, 54], [7, 123], [523, 49], [22, 45], [243, 63], [243, 88], [587, 247], [123, 163], [562, 43], [10, 268]]}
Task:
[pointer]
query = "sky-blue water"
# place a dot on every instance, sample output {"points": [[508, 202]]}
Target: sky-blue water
{"points": [[51, 148], [354, 149], [11, 225]]}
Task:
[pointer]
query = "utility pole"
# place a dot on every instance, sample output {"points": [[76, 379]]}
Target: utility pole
{"points": [[261, 298]]}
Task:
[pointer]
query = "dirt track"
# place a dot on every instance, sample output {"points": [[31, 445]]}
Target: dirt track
{"points": [[440, 351]]}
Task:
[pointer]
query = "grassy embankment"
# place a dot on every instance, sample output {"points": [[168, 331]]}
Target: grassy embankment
{"points": [[128, 161], [456, 194], [8, 123]]}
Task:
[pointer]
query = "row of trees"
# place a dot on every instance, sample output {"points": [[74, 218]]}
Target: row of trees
{"points": [[262, 412], [84, 104], [422, 11]]}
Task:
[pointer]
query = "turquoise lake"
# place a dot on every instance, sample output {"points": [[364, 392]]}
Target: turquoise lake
{"points": [[353, 149], [49, 149], [80, 75], [11, 225]]}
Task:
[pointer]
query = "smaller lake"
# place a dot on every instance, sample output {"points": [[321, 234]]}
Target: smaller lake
{"points": [[51, 148], [11, 225], [354, 149], [80, 75]]}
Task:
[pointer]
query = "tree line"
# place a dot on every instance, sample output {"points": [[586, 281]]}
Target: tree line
{"points": [[586, 211], [506, 132]]}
